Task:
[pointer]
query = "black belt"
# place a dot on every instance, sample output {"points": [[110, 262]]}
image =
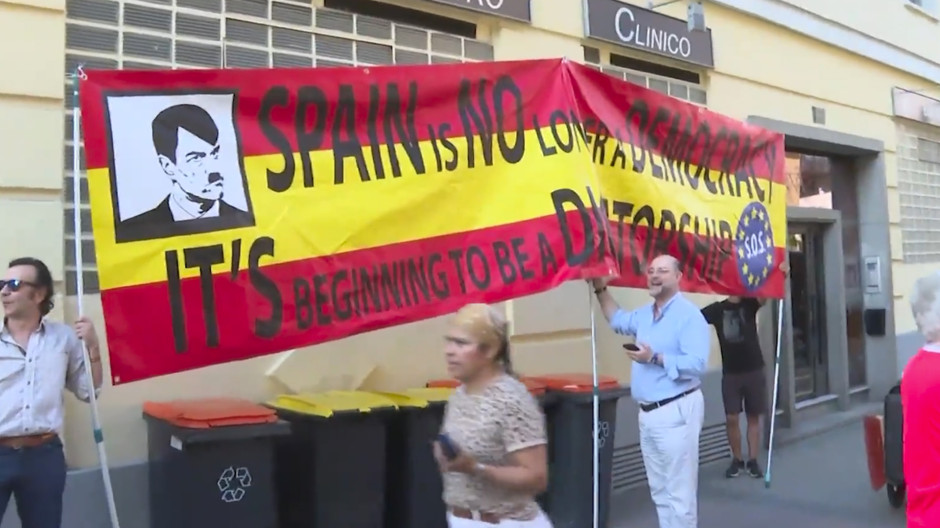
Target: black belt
{"points": [[647, 407]]}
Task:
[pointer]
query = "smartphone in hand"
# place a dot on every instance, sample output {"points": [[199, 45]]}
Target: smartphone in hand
{"points": [[448, 447], [631, 347]]}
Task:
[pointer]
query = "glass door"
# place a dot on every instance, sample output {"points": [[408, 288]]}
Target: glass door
{"points": [[808, 308]]}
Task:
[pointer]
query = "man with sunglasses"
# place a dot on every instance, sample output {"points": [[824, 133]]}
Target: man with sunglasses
{"points": [[38, 358]]}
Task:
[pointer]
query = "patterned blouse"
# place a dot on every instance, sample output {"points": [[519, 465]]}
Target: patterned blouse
{"points": [[503, 418]]}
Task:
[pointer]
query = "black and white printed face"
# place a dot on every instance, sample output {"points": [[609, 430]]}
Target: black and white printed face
{"points": [[733, 325], [196, 170]]}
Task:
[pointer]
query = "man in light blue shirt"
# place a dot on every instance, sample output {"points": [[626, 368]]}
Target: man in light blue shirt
{"points": [[672, 348]]}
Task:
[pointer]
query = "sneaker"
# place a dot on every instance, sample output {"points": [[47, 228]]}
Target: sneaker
{"points": [[753, 469], [734, 469]]}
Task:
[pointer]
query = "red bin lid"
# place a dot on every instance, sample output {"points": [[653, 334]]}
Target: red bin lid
{"points": [[536, 386], [206, 413], [444, 383], [577, 382]]}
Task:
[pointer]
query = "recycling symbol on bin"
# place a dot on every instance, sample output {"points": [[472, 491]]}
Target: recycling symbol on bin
{"points": [[603, 431], [233, 482]]}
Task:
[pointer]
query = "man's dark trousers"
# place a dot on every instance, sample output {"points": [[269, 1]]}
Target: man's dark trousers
{"points": [[35, 477]]}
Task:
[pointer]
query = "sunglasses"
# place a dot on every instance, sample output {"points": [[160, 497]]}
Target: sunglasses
{"points": [[14, 284]]}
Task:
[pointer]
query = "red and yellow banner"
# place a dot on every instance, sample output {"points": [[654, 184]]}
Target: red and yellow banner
{"points": [[238, 213], [678, 179]]}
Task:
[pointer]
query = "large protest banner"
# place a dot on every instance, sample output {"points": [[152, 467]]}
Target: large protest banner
{"points": [[678, 179], [238, 213]]}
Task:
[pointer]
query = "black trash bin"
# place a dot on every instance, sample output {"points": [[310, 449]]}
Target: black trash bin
{"points": [[330, 471], [414, 489], [211, 463], [569, 412], [894, 447], [538, 389]]}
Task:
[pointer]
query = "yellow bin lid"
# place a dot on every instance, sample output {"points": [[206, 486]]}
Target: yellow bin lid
{"points": [[419, 397], [324, 404]]}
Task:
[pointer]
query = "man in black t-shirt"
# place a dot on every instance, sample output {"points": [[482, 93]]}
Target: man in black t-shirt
{"points": [[743, 378]]}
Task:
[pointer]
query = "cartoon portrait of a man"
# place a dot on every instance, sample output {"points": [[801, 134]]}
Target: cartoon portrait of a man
{"points": [[201, 181]]}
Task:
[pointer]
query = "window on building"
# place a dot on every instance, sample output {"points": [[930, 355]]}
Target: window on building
{"points": [[809, 180], [124, 34], [404, 15], [679, 83], [919, 192], [931, 6]]}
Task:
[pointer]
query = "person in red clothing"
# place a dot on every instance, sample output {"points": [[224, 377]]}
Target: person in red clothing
{"points": [[920, 400]]}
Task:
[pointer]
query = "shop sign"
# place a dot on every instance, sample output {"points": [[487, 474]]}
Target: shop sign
{"points": [[514, 9], [634, 27]]}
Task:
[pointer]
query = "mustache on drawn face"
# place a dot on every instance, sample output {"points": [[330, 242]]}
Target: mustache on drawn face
{"points": [[215, 177]]}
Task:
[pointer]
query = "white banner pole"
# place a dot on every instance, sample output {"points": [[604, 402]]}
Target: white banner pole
{"points": [[773, 405], [596, 401], [80, 292]]}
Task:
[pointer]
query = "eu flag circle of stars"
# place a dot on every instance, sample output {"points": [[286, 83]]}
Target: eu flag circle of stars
{"points": [[754, 269]]}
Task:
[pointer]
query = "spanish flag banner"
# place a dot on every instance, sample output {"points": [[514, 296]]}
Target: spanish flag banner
{"points": [[678, 179], [238, 213]]}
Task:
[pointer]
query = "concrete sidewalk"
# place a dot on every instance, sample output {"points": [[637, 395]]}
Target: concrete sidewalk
{"points": [[821, 482]]}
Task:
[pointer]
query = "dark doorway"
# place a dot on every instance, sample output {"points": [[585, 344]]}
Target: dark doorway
{"points": [[808, 311]]}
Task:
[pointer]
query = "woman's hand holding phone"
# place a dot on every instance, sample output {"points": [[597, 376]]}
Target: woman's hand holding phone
{"points": [[448, 448], [450, 457]]}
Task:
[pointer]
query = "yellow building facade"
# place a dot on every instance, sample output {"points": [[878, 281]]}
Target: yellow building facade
{"points": [[854, 91]]}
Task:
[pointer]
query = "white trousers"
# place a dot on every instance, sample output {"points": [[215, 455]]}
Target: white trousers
{"points": [[541, 521], [669, 439]]}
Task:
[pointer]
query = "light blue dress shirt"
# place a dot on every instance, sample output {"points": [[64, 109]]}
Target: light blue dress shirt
{"points": [[679, 334]]}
